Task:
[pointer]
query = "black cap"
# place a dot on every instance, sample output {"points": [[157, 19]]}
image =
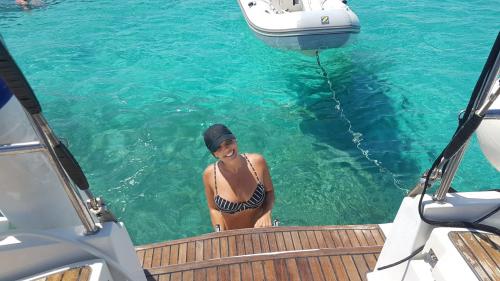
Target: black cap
{"points": [[215, 135]]}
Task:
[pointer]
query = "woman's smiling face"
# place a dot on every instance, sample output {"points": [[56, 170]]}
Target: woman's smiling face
{"points": [[228, 150]]}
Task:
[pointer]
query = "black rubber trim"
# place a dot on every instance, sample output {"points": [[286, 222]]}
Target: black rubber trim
{"points": [[71, 166], [17, 83]]}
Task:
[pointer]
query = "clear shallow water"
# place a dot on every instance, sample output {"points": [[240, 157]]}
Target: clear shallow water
{"points": [[132, 84]]}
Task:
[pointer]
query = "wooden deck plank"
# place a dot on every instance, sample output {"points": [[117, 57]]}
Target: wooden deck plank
{"points": [[216, 248], [258, 271], [296, 241], [320, 239], [491, 244], [304, 269], [369, 238], [240, 245], [246, 272], [280, 269], [232, 246], [365, 229], [269, 271], [248, 244], [176, 276], [257, 249], [269, 256], [207, 249], [287, 238], [312, 239], [85, 273], [350, 268], [188, 275], [378, 236], [165, 256], [304, 240], [71, 274], [199, 250], [148, 258], [488, 261], [346, 242], [224, 247], [361, 238], [328, 269], [316, 271], [182, 258], [229, 233], [338, 266], [293, 271], [273, 245], [337, 239], [234, 272], [371, 261], [475, 255], [212, 274], [468, 256], [200, 274], [223, 273], [156, 257], [352, 237], [174, 254], [300, 254], [361, 265], [328, 239], [264, 243], [164, 277], [191, 252]]}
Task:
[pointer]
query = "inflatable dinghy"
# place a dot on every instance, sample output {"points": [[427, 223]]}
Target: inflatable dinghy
{"points": [[301, 25]]}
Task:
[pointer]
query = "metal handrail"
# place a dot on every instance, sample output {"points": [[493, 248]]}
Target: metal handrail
{"points": [[485, 100], [449, 174], [19, 148]]}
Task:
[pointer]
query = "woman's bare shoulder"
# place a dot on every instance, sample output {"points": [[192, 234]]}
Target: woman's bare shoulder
{"points": [[256, 158], [208, 173]]}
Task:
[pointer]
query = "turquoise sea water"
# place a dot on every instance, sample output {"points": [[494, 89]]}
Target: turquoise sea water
{"points": [[131, 85]]}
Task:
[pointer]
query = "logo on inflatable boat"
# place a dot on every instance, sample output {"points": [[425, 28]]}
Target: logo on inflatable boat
{"points": [[325, 20]]}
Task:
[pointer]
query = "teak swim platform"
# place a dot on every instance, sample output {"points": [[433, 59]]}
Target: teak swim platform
{"points": [[275, 253], [481, 251]]}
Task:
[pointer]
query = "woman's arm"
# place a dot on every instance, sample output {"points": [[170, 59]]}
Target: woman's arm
{"points": [[265, 218], [215, 215]]}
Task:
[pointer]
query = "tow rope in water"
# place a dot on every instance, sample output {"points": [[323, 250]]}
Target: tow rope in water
{"points": [[356, 136]]}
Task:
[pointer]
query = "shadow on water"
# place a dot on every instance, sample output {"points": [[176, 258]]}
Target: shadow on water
{"points": [[351, 115]]}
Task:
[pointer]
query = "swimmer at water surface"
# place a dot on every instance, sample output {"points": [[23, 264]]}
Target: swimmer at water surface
{"points": [[238, 186]]}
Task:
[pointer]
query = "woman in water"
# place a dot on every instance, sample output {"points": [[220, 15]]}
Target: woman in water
{"points": [[238, 187]]}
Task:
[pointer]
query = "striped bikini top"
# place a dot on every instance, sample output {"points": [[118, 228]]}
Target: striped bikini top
{"points": [[257, 199]]}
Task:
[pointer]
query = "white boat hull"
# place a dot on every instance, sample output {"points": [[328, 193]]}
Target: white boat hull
{"points": [[314, 25], [308, 41]]}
